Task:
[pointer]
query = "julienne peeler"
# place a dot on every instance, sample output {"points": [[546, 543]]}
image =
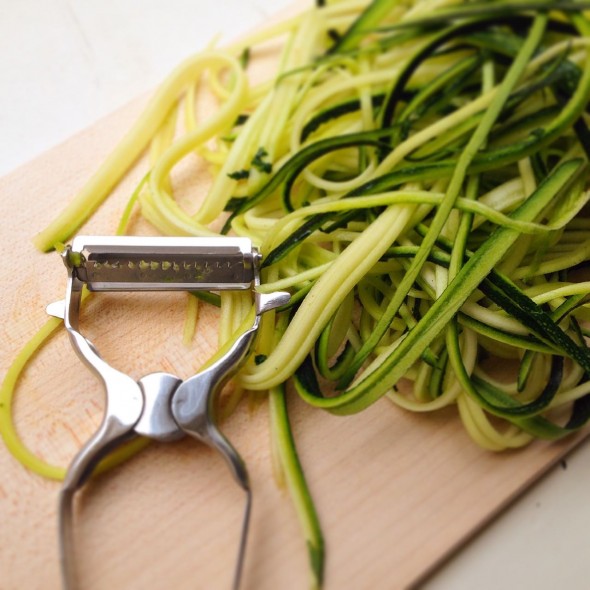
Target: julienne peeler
{"points": [[159, 406]]}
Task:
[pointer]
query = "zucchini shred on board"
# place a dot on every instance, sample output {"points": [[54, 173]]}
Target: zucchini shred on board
{"points": [[416, 176]]}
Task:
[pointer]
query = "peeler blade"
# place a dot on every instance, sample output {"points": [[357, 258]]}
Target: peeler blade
{"points": [[133, 263]]}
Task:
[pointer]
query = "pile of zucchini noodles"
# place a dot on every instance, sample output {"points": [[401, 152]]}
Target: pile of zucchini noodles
{"points": [[415, 174]]}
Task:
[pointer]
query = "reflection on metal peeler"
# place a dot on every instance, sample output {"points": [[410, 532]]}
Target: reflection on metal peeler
{"points": [[160, 405]]}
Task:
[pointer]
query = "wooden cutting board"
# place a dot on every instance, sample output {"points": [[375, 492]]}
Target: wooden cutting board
{"points": [[396, 492]]}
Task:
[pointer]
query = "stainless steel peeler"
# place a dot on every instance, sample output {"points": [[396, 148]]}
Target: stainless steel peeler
{"points": [[160, 406]]}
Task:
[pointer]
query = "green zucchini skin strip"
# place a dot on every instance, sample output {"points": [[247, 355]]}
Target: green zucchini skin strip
{"points": [[561, 312], [452, 32], [207, 297], [487, 10], [334, 112], [500, 404], [369, 20], [287, 174], [504, 293], [389, 181], [535, 318], [296, 483], [493, 158]]}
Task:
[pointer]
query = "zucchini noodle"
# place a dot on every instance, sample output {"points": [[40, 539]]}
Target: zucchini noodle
{"points": [[416, 175]]}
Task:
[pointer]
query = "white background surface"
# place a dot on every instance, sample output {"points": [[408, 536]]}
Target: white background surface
{"points": [[65, 64]]}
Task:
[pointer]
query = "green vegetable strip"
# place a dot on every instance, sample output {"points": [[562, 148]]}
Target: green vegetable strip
{"points": [[8, 430], [296, 484], [128, 150], [287, 174], [539, 427], [487, 9], [369, 20], [562, 311], [533, 316]]}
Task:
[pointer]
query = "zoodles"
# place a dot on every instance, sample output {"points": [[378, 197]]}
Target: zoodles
{"points": [[416, 174]]}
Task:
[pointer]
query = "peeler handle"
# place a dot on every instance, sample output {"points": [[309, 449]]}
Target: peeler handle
{"points": [[111, 433], [192, 408], [193, 403], [124, 405]]}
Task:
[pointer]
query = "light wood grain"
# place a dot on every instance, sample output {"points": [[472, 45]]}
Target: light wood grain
{"points": [[396, 492]]}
